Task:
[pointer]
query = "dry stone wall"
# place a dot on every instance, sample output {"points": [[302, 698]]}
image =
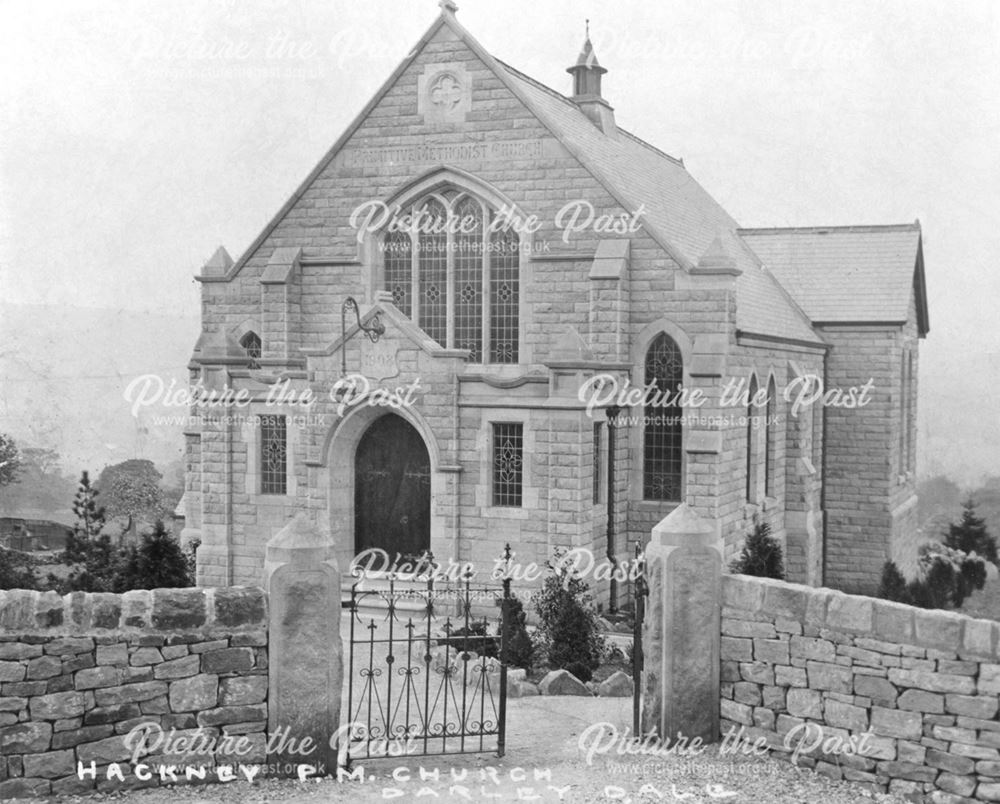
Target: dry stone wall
{"points": [[920, 686], [79, 673]]}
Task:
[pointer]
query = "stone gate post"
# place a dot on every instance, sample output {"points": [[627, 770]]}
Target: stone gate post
{"points": [[306, 673], [681, 632]]}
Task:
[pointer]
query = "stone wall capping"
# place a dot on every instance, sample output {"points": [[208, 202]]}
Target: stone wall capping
{"points": [[850, 613], [206, 611], [939, 629], [893, 621]]}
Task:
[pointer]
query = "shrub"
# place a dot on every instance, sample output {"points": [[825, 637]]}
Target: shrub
{"points": [[567, 618], [580, 670], [971, 576], [159, 562], [947, 578], [893, 584], [471, 638], [16, 570], [761, 555], [940, 582], [520, 650], [99, 566]]}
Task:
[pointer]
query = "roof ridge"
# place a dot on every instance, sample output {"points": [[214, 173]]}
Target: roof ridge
{"points": [[556, 93], [875, 227]]}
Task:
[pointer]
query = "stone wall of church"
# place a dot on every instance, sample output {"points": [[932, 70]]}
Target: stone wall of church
{"points": [[862, 450], [795, 499], [556, 294], [906, 534]]}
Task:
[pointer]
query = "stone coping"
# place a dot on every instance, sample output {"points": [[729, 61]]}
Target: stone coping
{"points": [[862, 616], [226, 609]]}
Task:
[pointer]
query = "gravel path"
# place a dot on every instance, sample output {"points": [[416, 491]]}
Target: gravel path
{"points": [[543, 740]]}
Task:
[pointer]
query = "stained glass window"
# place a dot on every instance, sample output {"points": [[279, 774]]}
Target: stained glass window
{"points": [[508, 463], [251, 342], [662, 457], [398, 255], [432, 259], [468, 261], [273, 455], [504, 297], [468, 276]]}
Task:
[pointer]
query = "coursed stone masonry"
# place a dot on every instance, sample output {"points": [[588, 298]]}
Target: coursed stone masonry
{"points": [[79, 672], [923, 685]]}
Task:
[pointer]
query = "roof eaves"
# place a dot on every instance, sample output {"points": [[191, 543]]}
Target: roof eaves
{"points": [[860, 229], [920, 289]]}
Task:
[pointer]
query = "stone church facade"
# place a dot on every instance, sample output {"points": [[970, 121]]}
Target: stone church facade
{"points": [[516, 258]]}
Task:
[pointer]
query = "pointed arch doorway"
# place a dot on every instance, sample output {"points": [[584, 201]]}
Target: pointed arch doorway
{"points": [[392, 489]]}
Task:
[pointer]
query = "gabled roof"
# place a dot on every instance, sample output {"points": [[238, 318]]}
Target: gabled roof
{"points": [[680, 215], [848, 274]]}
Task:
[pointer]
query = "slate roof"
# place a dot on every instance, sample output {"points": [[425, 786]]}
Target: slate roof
{"points": [[680, 214], [847, 273]]}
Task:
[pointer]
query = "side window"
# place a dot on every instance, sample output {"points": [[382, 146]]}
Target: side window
{"points": [[252, 344], [752, 443], [662, 454], [508, 463], [273, 455], [770, 438]]}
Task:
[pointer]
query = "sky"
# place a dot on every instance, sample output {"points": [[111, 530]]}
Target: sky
{"points": [[136, 137]]}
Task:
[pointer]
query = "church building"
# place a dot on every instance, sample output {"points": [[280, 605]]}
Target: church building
{"points": [[492, 315]]}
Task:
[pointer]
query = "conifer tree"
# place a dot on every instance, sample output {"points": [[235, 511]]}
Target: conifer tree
{"points": [[89, 521], [970, 535], [761, 555]]}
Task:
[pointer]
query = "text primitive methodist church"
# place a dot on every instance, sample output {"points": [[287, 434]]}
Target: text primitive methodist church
{"points": [[524, 258]]}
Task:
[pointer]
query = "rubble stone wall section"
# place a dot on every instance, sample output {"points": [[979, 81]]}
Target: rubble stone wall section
{"points": [[923, 684], [79, 672]]}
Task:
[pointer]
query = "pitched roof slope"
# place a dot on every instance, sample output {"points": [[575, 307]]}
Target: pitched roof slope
{"points": [[679, 213], [847, 274]]}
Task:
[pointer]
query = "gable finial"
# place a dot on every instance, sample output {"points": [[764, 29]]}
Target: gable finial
{"points": [[588, 28], [448, 6]]}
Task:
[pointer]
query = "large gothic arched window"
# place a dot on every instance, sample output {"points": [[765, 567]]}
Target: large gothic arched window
{"points": [[662, 461], [455, 270]]}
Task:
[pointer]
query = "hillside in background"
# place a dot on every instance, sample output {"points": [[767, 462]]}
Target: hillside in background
{"points": [[63, 376]]}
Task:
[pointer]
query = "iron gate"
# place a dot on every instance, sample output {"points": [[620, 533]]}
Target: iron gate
{"points": [[425, 671], [641, 592]]}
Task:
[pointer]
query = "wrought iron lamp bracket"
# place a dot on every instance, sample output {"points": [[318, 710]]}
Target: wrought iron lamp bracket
{"points": [[373, 330]]}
